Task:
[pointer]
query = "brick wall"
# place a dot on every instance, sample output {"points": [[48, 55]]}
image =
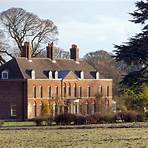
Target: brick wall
{"points": [[72, 85], [12, 92]]}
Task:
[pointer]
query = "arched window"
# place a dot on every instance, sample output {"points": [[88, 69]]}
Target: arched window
{"points": [[107, 91], [4, 74], [69, 90], [80, 91], [101, 89], [56, 91], [33, 74], [49, 91], [34, 91], [75, 90], [41, 91], [64, 90], [88, 91]]}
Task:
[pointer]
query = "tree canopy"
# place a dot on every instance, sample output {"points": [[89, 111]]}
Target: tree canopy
{"points": [[135, 51], [20, 25]]}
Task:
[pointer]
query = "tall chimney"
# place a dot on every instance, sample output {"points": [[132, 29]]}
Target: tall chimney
{"points": [[74, 53], [27, 50], [50, 51]]}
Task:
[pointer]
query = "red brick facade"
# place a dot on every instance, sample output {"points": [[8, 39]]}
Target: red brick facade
{"points": [[62, 85], [68, 89]]}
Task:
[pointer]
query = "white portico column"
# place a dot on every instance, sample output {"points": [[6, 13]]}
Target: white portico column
{"points": [[58, 109], [74, 108], [71, 108], [92, 108]]}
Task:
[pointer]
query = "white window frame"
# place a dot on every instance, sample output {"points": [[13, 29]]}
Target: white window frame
{"points": [[5, 72], [13, 110]]}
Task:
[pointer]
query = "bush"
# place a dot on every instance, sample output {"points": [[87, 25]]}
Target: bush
{"points": [[129, 116], [146, 114], [80, 119], [65, 118], [100, 118], [1, 123], [108, 118], [90, 119], [39, 121], [140, 117]]}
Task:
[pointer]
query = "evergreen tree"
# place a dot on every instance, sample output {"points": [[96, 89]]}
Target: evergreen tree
{"points": [[135, 51]]}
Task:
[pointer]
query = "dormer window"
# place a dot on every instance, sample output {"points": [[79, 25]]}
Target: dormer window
{"points": [[4, 74], [56, 74], [82, 75], [33, 74], [97, 75], [50, 75]]}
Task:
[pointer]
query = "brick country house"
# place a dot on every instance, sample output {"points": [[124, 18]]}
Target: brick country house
{"points": [[64, 85]]}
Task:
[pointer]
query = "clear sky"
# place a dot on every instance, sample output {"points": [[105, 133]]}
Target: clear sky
{"points": [[91, 24]]}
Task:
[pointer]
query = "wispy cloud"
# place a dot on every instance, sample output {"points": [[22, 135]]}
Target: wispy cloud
{"points": [[105, 30]]}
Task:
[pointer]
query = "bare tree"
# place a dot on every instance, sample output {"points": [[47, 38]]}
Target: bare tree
{"points": [[22, 25], [4, 48]]}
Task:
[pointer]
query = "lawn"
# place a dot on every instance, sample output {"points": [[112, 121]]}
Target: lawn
{"points": [[82, 138]]}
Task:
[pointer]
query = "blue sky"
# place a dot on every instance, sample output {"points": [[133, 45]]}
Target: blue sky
{"points": [[91, 24]]}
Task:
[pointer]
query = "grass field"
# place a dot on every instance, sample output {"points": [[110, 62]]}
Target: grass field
{"points": [[82, 138]]}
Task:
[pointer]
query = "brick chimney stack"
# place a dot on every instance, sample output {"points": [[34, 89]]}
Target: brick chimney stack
{"points": [[74, 53], [50, 51], [27, 50]]}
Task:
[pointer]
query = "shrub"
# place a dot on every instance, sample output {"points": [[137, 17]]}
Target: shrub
{"points": [[39, 121], [119, 116], [130, 116], [140, 117], [65, 118], [90, 119], [44, 109], [108, 118], [98, 117], [80, 119], [146, 114], [1, 123]]}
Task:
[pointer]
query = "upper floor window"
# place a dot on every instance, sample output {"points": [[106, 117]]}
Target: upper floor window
{"points": [[41, 91], [34, 91], [88, 91], [75, 91], [69, 91], [107, 91], [80, 91], [4, 74], [101, 90], [49, 91], [56, 91]]}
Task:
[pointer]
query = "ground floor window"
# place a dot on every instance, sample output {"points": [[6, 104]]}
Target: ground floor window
{"points": [[13, 110]]}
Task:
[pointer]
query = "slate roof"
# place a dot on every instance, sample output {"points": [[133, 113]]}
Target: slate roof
{"points": [[21, 68]]}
